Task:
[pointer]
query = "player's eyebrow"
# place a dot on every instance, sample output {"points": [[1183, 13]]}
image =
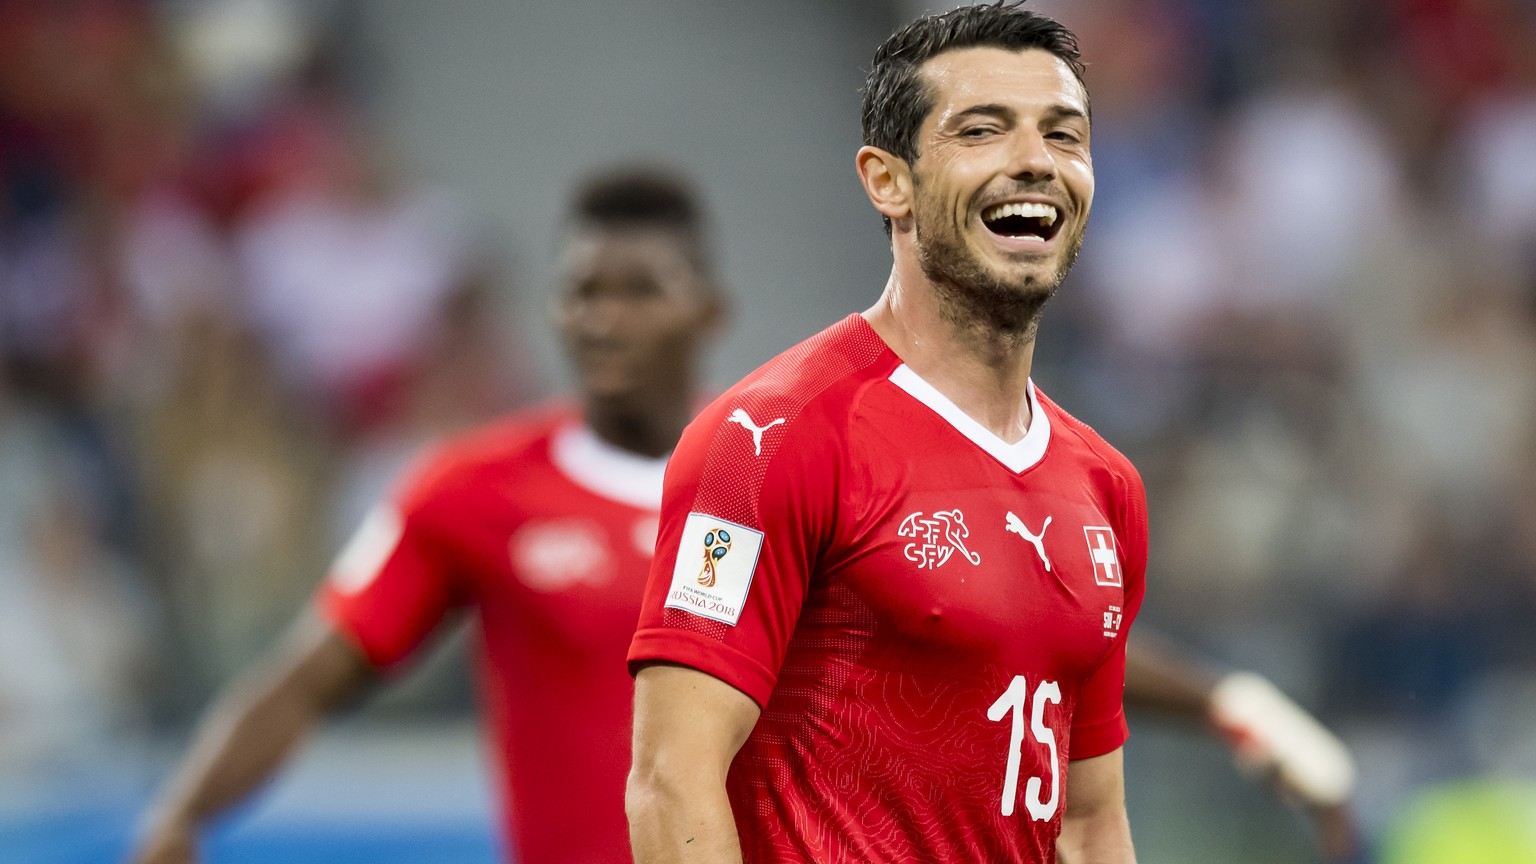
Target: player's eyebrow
{"points": [[1058, 111], [1065, 112], [991, 109]]}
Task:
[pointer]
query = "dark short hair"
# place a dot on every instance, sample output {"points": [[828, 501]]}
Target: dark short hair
{"points": [[637, 197], [896, 98]]}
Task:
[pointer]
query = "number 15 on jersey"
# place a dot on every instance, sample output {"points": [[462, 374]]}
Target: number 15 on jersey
{"points": [[1014, 701]]}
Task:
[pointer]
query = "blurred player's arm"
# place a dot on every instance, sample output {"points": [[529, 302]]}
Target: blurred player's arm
{"points": [[1094, 828], [1269, 733], [1162, 678], [251, 730], [688, 727]]}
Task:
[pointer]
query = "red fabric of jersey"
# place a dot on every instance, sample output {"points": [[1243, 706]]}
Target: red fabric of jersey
{"points": [[554, 570], [928, 650]]}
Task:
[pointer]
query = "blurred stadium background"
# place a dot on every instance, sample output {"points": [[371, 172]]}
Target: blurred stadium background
{"points": [[254, 252]]}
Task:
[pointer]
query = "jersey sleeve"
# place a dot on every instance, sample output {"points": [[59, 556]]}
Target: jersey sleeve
{"points": [[1098, 723], [743, 519], [395, 580]]}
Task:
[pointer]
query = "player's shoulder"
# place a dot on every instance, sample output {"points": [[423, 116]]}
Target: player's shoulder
{"points": [[507, 437], [1086, 443], [492, 448], [811, 384]]}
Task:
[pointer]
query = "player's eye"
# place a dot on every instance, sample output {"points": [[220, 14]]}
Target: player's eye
{"points": [[639, 288], [583, 291]]}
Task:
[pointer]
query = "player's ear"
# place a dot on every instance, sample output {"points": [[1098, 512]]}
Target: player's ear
{"points": [[887, 181], [716, 312]]}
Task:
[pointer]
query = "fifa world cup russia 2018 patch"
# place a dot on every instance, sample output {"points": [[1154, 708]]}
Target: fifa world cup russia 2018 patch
{"points": [[713, 572]]}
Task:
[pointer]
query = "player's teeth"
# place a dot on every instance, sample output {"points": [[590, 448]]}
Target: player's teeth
{"points": [[1031, 210]]}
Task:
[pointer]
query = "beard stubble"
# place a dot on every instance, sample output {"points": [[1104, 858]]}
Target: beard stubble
{"points": [[970, 293]]}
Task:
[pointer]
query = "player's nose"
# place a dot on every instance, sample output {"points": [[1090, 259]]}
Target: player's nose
{"points": [[600, 318], [1029, 157]]}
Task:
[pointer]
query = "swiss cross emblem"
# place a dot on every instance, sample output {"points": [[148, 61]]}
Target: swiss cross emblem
{"points": [[1106, 560]]}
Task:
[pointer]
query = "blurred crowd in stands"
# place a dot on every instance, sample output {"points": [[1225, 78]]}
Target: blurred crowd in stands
{"points": [[225, 319], [1307, 310]]}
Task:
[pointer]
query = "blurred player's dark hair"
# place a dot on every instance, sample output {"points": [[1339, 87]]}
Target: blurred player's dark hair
{"points": [[896, 98], [639, 197]]}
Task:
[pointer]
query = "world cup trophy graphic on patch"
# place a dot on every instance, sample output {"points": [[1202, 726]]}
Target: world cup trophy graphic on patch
{"points": [[716, 544]]}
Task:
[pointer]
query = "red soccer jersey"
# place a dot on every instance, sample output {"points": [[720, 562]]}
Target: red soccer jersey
{"points": [[547, 534], [932, 620]]}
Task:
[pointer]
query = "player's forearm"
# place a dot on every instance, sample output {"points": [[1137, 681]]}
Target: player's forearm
{"points": [[1161, 677], [260, 720], [1103, 837], [242, 742], [680, 819]]}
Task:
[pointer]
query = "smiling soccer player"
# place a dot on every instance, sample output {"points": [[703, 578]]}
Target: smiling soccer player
{"points": [[914, 648]]}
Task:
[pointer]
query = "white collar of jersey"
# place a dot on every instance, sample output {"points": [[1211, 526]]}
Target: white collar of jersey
{"points": [[1018, 456], [603, 469]]}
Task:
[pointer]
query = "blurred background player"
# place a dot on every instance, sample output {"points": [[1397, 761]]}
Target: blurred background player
{"points": [[543, 524]]}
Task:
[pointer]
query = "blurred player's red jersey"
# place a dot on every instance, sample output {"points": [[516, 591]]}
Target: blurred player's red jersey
{"points": [[547, 534], [876, 570]]}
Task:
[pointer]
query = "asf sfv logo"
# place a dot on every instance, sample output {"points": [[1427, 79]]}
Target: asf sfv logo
{"points": [[936, 538]]}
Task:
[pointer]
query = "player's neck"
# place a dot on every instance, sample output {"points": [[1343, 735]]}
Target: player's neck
{"points": [[650, 429], [983, 369]]}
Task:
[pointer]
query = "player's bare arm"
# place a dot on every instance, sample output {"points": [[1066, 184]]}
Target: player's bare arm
{"points": [[1161, 678], [1270, 734], [251, 731], [688, 727], [1094, 829]]}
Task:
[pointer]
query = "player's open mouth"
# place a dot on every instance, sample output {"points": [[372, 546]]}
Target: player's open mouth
{"points": [[1022, 220]]}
